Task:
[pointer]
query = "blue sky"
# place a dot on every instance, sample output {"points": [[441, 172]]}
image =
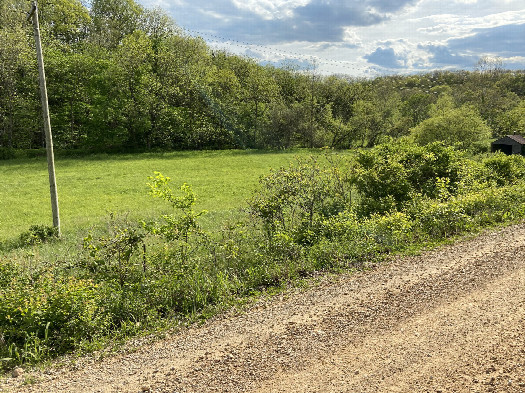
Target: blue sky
{"points": [[359, 37]]}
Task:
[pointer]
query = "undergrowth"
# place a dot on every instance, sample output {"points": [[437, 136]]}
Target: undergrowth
{"points": [[316, 215]]}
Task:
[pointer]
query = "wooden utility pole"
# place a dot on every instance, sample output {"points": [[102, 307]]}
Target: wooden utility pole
{"points": [[47, 122]]}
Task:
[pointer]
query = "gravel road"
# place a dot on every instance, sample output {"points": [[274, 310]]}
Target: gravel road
{"points": [[449, 320]]}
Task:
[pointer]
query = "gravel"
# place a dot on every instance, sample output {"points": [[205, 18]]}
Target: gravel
{"points": [[448, 320]]}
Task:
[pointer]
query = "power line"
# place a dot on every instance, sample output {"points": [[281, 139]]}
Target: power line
{"points": [[372, 71], [278, 52]]}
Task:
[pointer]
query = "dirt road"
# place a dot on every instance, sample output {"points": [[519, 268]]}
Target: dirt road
{"points": [[450, 320]]}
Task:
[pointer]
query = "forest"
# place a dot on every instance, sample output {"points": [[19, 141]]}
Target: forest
{"points": [[124, 78]]}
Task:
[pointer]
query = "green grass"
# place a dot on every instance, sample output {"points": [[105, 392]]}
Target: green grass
{"points": [[90, 187], [61, 296]]}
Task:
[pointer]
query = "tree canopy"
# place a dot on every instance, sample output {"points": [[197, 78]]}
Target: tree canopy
{"points": [[122, 77], [462, 127]]}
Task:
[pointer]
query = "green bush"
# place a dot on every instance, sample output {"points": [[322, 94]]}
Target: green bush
{"points": [[389, 177], [114, 257], [38, 234], [294, 201], [439, 220], [349, 239], [503, 169], [494, 205], [388, 232], [469, 212], [182, 225], [45, 315]]}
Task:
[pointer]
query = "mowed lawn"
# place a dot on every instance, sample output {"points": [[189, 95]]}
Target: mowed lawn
{"points": [[91, 187]]}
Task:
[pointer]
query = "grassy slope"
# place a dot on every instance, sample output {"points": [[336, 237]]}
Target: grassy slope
{"points": [[90, 187]]}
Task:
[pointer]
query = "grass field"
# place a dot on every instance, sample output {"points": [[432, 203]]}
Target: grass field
{"points": [[105, 282], [90, 187]]}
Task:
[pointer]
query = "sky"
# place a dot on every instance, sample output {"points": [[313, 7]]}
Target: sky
{"points": [[359, 38]]}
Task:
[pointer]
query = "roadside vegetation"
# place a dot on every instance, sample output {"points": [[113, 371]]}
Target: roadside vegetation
{"points": [[320, 213]]}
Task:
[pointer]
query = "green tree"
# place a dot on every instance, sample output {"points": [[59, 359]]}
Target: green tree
{"points": [[512, 121], [462, 127], [339, 96], [64, 20], [259, 90], [19, 116], [137, 85], [416, 107], [112, 20], [483, 90]]}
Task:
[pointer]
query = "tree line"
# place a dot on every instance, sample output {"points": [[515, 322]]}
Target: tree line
{"points": [[122, 77]]}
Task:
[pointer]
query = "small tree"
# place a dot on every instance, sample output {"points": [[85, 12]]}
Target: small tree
{"points": [[462, 127], [176, 227], [489, 65], [512, 121]]}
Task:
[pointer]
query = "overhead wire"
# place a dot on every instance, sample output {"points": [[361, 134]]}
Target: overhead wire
{"points": [[286, 54], [373, 71]]}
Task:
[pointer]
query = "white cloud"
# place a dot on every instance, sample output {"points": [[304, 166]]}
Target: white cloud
{"points": [[350, 36], [454, 25], [164, 4], [270, 9], [411, 35]]}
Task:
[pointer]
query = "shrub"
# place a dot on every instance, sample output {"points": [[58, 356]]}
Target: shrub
{"points": [[389, 232], [390, 176], [503, 169], [439, 220], [182, 224], [469, 212], [110, 258], [38, 234], [294, 201], [350, 239], [45, 315]]}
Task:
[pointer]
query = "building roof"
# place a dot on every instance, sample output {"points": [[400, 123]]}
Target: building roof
{"points": [[515, 138]]}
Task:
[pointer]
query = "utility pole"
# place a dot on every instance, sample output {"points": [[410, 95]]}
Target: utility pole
{"points": [[312, 105], [47, 122]]}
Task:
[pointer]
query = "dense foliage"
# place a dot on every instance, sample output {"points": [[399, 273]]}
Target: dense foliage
{"points": [[324, 213], [123, 77]]}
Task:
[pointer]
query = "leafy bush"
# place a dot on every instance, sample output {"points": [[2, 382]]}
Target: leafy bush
{"points": [[360, 238], [45, 315], [439, 220], [388, 232], [38, 234], [145, 269], [503, 169], [390, 176], [292, 202], [181, 225], [111, 257]]}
